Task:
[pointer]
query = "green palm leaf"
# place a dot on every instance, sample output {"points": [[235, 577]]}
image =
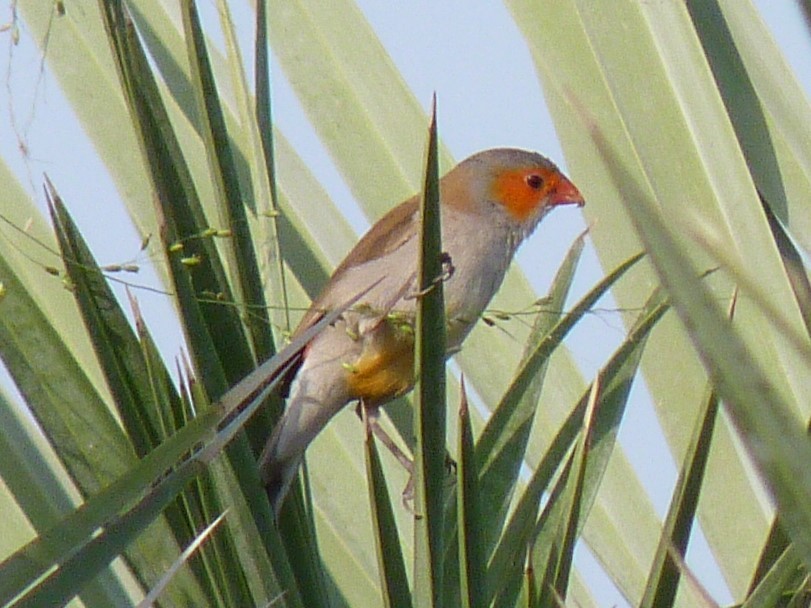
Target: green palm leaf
{"points": [[692, 109]]}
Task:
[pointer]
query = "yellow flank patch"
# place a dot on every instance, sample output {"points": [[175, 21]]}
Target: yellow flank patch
{"points": [[385, 368], [513, 190]]}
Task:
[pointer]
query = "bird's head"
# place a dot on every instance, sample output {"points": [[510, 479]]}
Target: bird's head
{"points": [[519, 184]]}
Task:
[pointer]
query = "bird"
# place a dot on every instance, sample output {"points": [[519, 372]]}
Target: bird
{"points": [[489, 204]]}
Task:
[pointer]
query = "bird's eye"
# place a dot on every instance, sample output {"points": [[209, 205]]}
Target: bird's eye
{"points": [[534, 181]]}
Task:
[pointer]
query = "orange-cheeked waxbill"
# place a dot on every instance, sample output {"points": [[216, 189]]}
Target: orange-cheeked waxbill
{"points": [[490, 203]]}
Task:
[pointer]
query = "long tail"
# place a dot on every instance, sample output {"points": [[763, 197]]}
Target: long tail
{"points": [[276, 472], [314, 399], [318, 391]]}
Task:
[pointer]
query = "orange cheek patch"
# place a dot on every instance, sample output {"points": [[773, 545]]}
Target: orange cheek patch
{"points": [[511, 190]]}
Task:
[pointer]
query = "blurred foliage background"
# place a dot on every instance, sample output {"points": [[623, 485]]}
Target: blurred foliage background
{"points": [[687, 132]]}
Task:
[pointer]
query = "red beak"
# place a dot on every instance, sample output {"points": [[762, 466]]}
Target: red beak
{"points": [[565, 192]]}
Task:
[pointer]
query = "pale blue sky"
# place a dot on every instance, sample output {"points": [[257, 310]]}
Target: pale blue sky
{"points": [[473, 56]]}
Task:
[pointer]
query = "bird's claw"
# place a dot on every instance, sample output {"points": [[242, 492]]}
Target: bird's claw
{"points": [[408, 498]]}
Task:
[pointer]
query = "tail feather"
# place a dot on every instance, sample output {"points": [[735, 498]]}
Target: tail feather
{"points": [[277, 476], [317, 392], [304, 418], [278, 464]]}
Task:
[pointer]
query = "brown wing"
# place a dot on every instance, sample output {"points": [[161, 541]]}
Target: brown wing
{"points": [[389, 233]]}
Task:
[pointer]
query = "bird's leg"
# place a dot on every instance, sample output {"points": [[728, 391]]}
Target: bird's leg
{"points": [[371, 416], [447, 272]]}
